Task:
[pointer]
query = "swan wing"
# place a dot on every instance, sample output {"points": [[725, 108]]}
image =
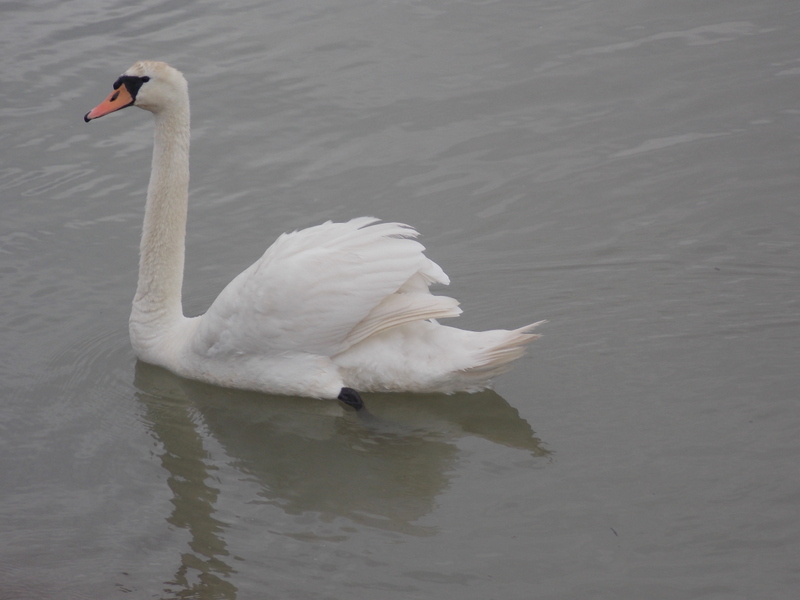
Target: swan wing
{"points": [[322, 289]]}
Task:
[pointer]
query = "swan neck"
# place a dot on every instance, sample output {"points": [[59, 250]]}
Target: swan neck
{"points": [[158, 296]]}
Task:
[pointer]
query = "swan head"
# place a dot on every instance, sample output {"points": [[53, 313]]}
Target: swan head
{"points": [[151, 85]]}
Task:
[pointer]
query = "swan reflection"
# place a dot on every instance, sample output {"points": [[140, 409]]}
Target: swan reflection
{"points": [[310, 458]]}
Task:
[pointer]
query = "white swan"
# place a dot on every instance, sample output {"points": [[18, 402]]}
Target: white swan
{"points": [[324, 312]]}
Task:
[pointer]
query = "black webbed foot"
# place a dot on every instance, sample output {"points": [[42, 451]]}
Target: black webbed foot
{"points": [[351, 397]]}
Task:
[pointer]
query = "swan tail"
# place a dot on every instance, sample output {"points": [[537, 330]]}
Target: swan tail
{"points": [[495, 357], [424, 356]]}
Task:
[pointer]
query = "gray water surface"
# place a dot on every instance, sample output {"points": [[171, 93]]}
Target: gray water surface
{"points": [[625, 169]]}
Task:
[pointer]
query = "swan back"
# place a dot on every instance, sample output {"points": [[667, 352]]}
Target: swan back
{"points": [[323, 289]]}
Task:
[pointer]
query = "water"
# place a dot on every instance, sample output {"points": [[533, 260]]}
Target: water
{"points": [[625, 169]]}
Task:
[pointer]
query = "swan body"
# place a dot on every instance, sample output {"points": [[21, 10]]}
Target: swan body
{"points": [[325, 311]]}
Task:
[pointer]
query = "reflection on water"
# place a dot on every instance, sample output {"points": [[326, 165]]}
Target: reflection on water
{"points": [[204, 568], [382, 467]]}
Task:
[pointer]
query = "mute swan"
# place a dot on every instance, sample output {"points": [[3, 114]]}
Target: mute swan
{"points": [[324, 312]]}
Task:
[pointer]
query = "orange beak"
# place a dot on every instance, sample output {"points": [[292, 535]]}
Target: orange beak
{"points": [[119, 98]]}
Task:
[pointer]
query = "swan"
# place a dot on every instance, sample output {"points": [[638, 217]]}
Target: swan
{"points": [[327, 312]]}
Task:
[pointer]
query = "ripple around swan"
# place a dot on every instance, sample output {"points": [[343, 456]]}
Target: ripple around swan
{"points": [[103, 357]]}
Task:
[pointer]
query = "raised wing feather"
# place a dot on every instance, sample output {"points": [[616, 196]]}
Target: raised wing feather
{"points": [[322, 289]]}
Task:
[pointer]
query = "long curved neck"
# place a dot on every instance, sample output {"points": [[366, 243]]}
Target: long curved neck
{"points": [[157, 303]]}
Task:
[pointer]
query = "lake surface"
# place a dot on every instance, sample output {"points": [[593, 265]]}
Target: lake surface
{"points": [[628, 170]]}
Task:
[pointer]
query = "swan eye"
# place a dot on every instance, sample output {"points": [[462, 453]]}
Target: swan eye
{"points": [[132, 82]]}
